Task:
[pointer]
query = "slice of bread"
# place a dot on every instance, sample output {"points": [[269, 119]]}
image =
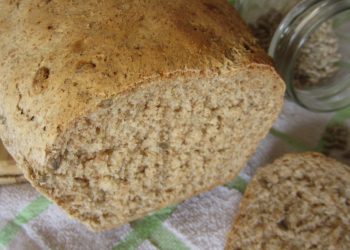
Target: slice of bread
{"points": [[116, 108], [301, 201]]}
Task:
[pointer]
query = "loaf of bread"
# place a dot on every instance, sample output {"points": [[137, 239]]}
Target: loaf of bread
{"points": [[301, 201], [116, 108]]}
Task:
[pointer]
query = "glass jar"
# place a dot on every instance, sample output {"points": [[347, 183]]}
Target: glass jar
{"points": [[309, 41]]}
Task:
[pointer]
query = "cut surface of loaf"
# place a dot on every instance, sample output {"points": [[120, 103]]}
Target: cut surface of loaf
{"points": [[117, 108], [301, 201]]}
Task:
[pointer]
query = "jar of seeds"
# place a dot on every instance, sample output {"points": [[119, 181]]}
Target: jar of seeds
{"points": [[309, 41]]}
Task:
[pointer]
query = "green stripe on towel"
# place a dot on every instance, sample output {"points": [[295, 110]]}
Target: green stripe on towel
{"points": [[163, 239], [151, 228], [35, 208], [143, 228], [341, 116], [233, 2], [239, 184], [300, 146]]}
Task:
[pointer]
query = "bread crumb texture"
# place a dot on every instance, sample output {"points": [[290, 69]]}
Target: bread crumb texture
{"points": [[301, 201], [116, 108]]}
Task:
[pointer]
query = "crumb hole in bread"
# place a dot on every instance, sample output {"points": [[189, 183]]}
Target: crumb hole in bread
{"points": [[299, 195], [105, 103], [42, 179], [98, 130], [87, 121], [58, 129], [77, 46], [283, 224], [264, 183], [211, 7], [286, 208], [299, 223], [67, 81], [42, 74], [2, 120], [40, 79], [84, 66], [163, 145], [247, 47], [142, 169], [56, 162], [178, 109], [169, 190]]}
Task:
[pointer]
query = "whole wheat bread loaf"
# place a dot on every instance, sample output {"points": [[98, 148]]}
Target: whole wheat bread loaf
{"points": [[116, 108], [301, 201]]}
